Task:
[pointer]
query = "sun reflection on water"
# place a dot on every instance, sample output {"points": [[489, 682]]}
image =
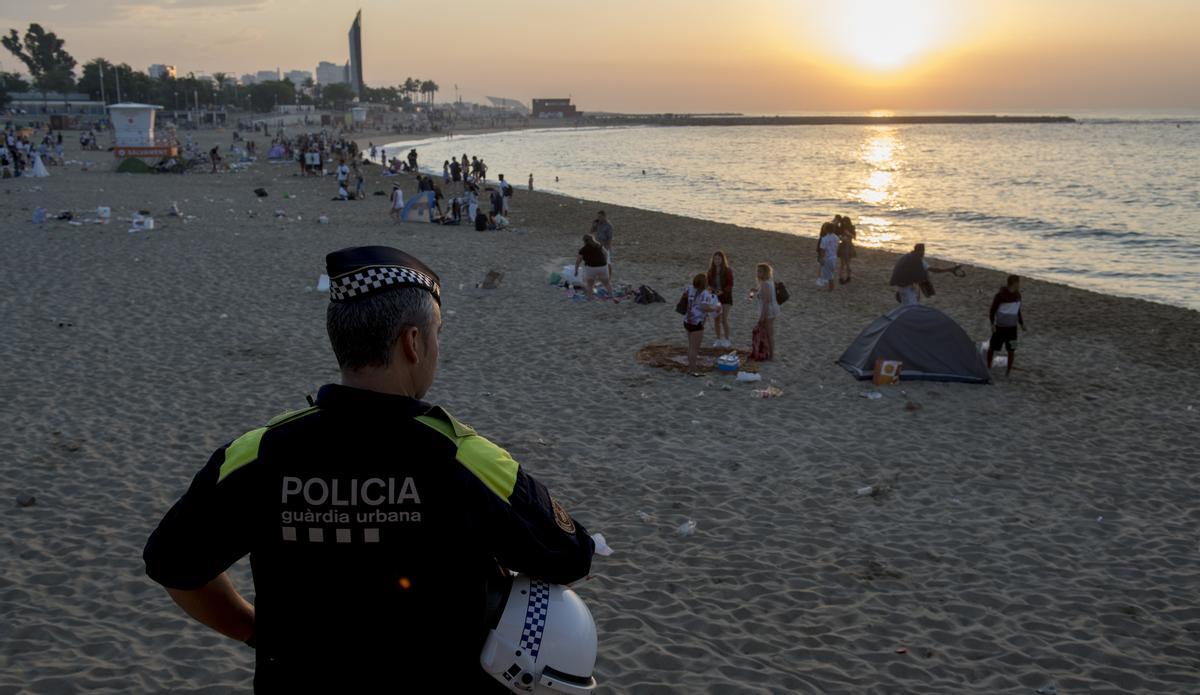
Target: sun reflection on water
{"points": [[880, 152]]}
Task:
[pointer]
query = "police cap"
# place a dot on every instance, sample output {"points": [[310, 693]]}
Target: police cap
{"points": [[364, 271]]}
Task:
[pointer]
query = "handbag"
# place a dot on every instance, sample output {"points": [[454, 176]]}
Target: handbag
{"points": [[681, 307], [781, 293]]}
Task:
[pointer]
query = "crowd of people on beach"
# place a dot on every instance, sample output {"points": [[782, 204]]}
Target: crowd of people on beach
{"points": [[24, 153], [456, 198], [709, 296]]}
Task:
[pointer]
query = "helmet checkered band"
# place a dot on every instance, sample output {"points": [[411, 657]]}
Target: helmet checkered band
{"points": [[364, 281], [535, 617]]}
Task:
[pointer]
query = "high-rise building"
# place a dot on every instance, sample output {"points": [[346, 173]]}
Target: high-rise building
{"points": [[159, 71], [330, 73], [249, 79], [298, 76], [355, 78]]}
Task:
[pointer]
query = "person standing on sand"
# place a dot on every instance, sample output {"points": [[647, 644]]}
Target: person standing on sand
{"points": [[505, 194], [215, 156], [1005, 315], [603, 232], [397, 202], [829, 258], [376, 523], [763, 338], [720, 281], [846, 251], [910, 276], [531, 183], [595, 267], [700, 303]]}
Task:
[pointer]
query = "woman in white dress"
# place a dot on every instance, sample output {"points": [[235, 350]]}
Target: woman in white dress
{"points": [[768, 310]]}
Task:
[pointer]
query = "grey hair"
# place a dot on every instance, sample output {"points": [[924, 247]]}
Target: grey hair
{"points": [[363, 332]]}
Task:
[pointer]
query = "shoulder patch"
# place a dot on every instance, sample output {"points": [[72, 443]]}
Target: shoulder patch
{"points": [[494, 467], [561, 517]]}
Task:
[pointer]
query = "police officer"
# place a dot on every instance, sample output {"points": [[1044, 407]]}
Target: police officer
{"points": [[374, 521]]}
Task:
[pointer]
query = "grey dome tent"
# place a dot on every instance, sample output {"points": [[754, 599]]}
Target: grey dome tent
{"points": [[930, 345]]}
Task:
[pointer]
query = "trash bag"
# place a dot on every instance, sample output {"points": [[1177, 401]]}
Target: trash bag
{"points": [[646, 295]]}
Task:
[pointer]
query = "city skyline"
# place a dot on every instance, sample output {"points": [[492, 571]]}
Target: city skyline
{"points": [[766, 56]]}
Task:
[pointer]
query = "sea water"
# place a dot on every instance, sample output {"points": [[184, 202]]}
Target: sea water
{"points": [[1111, 205]]}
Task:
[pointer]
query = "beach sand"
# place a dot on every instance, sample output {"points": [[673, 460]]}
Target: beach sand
{"points": [[1040, 530]]}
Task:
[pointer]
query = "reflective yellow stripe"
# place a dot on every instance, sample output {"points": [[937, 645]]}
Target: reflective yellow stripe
{"points": [[243, 450], [291, 415], [494, 467]]}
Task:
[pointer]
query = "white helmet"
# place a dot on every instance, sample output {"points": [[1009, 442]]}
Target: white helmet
{"points": [[543, 642]]}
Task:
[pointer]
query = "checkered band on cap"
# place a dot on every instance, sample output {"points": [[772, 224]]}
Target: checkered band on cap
{"points": [[364, 281], [535, 617]]}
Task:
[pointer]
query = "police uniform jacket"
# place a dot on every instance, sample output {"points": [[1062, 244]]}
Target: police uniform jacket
{"points": [[373, 523]]}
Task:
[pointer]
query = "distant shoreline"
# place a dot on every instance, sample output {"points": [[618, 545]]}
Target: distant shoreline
{"points": [[825, 120]]}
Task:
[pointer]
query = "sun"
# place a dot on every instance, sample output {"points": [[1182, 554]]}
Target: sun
{"points": [[887, 35]]}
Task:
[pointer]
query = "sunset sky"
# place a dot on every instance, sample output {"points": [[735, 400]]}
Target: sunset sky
{"points": [[751, 56]]}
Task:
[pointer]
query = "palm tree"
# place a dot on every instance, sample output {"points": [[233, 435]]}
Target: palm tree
{"points": [[433, 90], [410, 86]]}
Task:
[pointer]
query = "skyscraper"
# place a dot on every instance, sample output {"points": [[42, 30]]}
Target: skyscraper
{"points": [[356, 78]]}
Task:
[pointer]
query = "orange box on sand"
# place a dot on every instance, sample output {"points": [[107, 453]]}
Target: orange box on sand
{"points": [[887, 371]]}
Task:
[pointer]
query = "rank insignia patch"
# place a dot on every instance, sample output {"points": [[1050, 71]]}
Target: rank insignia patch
{"points": [[564, 520]]}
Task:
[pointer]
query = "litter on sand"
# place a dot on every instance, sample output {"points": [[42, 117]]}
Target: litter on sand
{"points": [[748, 376], [872, 395], [492, 280], [769, 392], [323, 283], [687, 528], [601, 547]]}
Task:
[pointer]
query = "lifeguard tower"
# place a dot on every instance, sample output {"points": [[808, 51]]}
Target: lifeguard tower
{"points": [[134, 128]]}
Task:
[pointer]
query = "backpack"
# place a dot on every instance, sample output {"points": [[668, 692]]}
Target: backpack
{"points": [[781, 293], [508, 189], [681, 307]]}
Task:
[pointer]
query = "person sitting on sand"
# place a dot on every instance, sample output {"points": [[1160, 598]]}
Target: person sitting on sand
{"points": [[720, 281], [497, 221], [700, 303], [595, 266], [1005, 315], [910, 276], [763, 338], [497, 200]]}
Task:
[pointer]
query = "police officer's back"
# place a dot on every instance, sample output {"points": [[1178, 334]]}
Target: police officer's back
{"points": [[373, 521]]}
